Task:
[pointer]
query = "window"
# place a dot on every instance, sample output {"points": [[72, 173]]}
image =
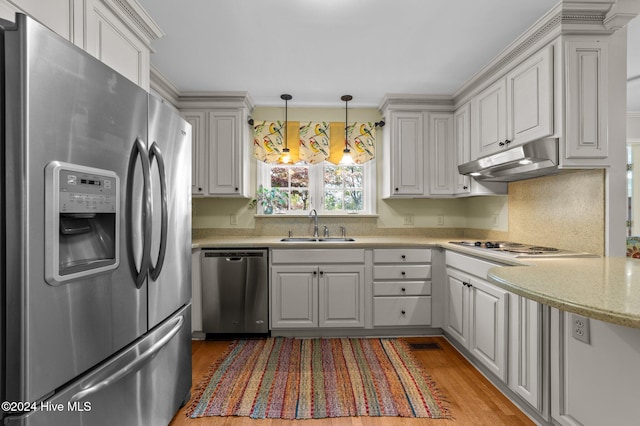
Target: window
{"points": [[328, 188]]}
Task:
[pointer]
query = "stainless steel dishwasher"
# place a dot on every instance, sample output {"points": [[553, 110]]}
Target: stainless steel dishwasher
{"points": [[235, 297]]}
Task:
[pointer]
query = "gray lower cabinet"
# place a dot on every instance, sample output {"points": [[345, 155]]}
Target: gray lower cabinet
{"points": [[401, 287], [476, 312], [317, 288]]}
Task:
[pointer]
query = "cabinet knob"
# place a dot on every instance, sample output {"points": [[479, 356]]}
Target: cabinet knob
{"points": [[507, 142], [465, 187], [199, 189], [315, 272], [403, 273], [403, 257], [236, 189], [403, 312], [501, 144], [321, 272], [404, 290]]}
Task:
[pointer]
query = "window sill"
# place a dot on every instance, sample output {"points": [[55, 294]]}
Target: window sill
{"points": [[285, 215]]}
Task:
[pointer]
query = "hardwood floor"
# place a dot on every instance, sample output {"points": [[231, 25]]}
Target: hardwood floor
{"points": [[472, 399]]}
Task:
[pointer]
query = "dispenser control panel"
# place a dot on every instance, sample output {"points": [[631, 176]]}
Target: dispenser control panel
{"points": [[86, 192]]}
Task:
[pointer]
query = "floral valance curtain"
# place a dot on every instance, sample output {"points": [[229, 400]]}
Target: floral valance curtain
{"points": [[313, 142]]}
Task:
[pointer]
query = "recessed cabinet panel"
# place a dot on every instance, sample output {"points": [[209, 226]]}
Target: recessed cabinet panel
{"points": [[587, 104], [442, 163], [462, 137], [223, 157], [294, 297], [488, 307], [530, 99], [110, 41], [457, 313], [198, 151], [341, 297], [489, 120], [55, 14], [407, 152]]}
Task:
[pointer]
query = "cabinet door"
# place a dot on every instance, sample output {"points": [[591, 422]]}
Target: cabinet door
{"points": [[108, 39], [293, 296], [55, 14], [197, 119], [442, 163], [407, 153], [341, 296], [525, 349], [587, 103], [457, 313], [488, 316], [224, 153], [462, 137], [489, 115], [530, 99]]}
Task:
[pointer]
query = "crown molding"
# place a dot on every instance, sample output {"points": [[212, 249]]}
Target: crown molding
{"points": [[137, 19], [395, 101], [566, 18], [163, 86], [215, 100]]}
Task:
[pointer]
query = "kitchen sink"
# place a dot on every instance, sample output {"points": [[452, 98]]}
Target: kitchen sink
{"points": [[317, 240]]}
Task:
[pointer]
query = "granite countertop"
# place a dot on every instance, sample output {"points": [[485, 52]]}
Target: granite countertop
{"points": [[603, 288]]}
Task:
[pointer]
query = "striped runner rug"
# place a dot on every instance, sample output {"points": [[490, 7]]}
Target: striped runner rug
{"points": [[316, 378]]}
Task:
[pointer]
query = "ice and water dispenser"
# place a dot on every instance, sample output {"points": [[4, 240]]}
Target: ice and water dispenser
{"points": [[82, 231]]}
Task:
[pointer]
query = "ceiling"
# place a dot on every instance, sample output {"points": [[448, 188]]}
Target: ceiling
{"points": [[319, 50]]}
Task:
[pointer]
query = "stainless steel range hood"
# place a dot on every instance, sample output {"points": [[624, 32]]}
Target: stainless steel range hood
{"points": [[532, 159]]}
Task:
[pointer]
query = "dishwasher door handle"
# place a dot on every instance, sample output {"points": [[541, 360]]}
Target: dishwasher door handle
{"points": [[234, 259]]}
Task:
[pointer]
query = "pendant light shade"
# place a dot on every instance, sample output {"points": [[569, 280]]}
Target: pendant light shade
{"points": [[285, 158], [346, 154]]}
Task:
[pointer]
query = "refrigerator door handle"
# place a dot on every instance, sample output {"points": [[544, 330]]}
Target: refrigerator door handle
{"points": [[154, 152], [139, 149], [109, 377]]}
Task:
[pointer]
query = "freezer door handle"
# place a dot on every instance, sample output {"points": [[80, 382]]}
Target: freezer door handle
{"points": [[139, 149], [154, 152], [109, 377]]}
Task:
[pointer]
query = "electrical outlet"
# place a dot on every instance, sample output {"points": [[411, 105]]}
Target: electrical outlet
{"points": [[408, 219], [440, 220], [580, 328], [233, 219]]}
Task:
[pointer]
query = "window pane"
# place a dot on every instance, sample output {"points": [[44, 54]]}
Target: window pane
{"points": [[299, 177], [279, 177], [299, 200], [333, 200], [332, 177], [352, 177], [353, 200]]}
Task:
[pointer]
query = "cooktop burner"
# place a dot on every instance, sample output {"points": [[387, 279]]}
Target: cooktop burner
{"points": [[512, 249]]}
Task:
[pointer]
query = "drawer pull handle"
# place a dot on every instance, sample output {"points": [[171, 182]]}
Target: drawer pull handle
{"points": [[403, 273], [404, 289], [403, 257], [403, 312]]}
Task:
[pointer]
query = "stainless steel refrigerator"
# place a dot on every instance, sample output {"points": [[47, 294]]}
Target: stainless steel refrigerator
{"points": [[96, 240]]}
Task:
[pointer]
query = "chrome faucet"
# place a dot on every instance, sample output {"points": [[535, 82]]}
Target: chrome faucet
{"points": [[313, 213]]}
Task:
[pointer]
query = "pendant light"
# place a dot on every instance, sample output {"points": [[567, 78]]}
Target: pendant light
{"points": [[285, 157], [346, 154]]}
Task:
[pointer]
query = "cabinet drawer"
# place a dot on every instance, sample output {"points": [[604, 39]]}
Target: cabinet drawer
{"points": [[402, 255], [409, 310], [317, 256], [402, 272], [402, 288]]}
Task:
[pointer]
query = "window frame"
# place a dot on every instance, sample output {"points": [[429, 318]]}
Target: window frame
{"points": [[316, 189]]}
